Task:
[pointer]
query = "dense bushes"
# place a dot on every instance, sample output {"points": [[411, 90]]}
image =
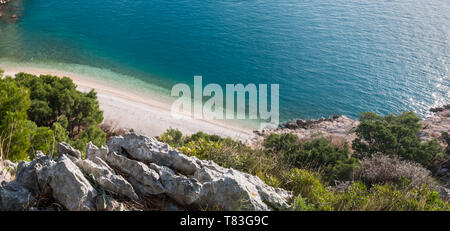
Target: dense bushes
{"points": [[395, 136], [384, 172], [226, 152], [14, 102], [53, 98], [380, 169], [38, 112], [318, 155]]}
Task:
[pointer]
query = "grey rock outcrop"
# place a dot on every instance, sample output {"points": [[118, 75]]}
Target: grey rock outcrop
{"points": [[65, 148], [133, 169], [338, 129], [15, 197], [70, 187], [106, 177], [188, 180]]}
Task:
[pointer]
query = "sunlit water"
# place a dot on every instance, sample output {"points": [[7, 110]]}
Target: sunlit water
{"points": [[329, 57]]}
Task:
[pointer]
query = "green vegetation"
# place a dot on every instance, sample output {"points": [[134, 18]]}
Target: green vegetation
{"points": [[38, 112], [396, 136], [385, 171], [318, 155]]}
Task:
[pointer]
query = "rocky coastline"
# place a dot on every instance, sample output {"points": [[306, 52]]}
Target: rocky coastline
{"points": [[339, 129]]}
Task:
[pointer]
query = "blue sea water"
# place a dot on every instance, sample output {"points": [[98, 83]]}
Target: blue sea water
{"points": [[329, 57]]}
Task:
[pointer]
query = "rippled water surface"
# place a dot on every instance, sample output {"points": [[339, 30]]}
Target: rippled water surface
{"points": [[329, 57]]}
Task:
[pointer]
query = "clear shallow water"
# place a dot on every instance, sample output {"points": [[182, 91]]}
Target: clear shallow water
{"points": [[339, 57]]}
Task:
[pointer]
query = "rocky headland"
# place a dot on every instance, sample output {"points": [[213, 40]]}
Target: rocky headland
{"points": [[340, 129]]}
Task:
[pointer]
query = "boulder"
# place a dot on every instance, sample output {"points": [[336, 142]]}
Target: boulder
{"points": [[140, 171], [106, 178], [230, 189], [144, 177], [15, 197], [35, 175], [188, 180], [146, 149], [65, 148], [70, 187]]}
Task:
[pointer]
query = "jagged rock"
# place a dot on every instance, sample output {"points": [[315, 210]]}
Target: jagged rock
{"points": [[146, 149], [148, 178], [230, 189], [188, 180], [35, 175], [139, 168], [184, 190], [65, 148], [106, 178], [93, 151], [15, 197], [70, 187]]}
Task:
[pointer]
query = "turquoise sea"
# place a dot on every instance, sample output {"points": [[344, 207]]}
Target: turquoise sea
{"points": [[329, 57]]}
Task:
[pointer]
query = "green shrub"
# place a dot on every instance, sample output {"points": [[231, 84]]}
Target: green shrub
{"points": [[395, 136], [227, 153], [309, 186], [53, 97], [41, 138], [14, 102], [280, 164], [446, 138], [91, 134], [390, 197], [173, 137], [317, 155], [37, 112]]}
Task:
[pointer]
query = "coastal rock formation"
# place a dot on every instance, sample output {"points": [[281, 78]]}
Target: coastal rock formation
{"points": [[337, 129], [434, 125], [128, 173]]}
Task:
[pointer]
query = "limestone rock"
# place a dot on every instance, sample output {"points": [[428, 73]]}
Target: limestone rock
{"points": [[15, 197], [147, 178], [136, 168], [70, 187], [35, 175], [65, 148], [146, 149], [106, 178], [188, 180]]}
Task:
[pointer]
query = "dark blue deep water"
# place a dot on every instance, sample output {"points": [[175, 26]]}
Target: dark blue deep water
{"points": [[329, 57]]}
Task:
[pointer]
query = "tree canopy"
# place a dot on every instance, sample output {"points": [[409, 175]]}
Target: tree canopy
{"points": [[38, 112]]}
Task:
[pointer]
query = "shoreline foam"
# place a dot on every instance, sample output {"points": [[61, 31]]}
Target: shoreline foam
{"points": [[147, 113]]}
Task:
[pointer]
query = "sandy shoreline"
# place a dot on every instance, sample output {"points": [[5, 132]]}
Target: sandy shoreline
{"points": [[145, 114]]}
